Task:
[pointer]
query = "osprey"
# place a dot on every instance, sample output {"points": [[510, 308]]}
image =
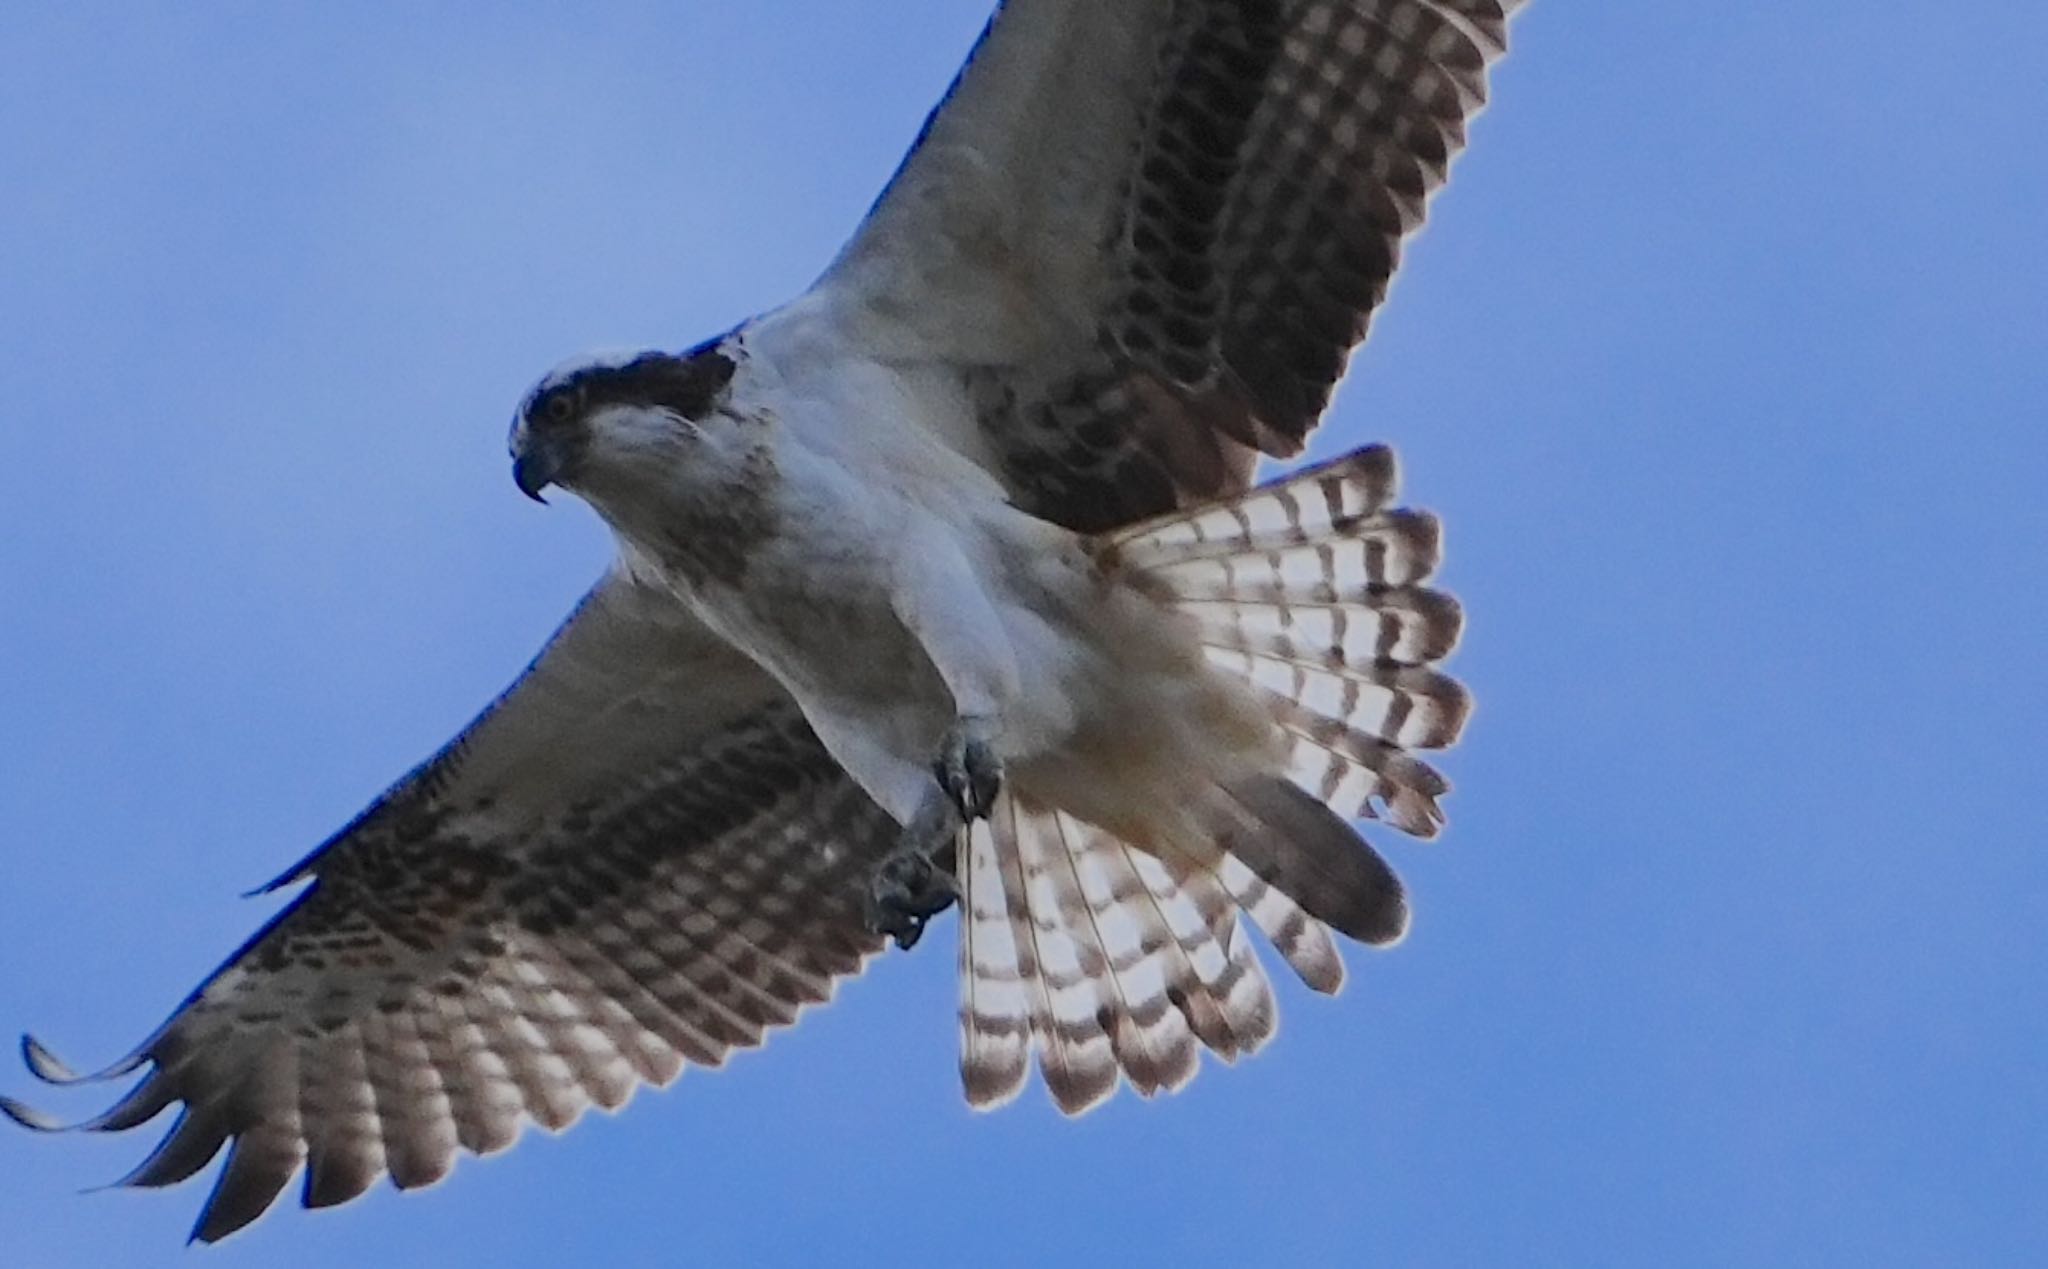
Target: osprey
{"points": [[944, 582]]}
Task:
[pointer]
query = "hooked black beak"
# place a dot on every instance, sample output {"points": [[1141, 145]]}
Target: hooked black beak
{"points": [[537, 465]]}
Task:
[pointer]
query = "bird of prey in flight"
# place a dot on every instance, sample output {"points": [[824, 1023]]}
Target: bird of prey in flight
{"points": [[945, 582]]}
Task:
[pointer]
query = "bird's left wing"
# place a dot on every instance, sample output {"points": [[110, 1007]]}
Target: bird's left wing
{"points": [[639, 857], [1149, 233]]}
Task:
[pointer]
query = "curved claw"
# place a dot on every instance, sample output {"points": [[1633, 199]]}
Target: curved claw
{"points": [[970, 772], [907, 891]]}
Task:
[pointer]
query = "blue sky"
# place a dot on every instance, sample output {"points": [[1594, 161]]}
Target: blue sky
{"points": [[1723, 358]]}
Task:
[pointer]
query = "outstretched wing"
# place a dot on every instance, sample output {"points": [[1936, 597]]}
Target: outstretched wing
{"points": [[1154, 230], [639, 857]]}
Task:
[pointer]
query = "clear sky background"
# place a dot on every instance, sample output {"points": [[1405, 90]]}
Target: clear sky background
{"points": [[1725, 358]]}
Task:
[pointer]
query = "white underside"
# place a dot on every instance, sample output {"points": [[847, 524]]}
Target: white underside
{"points": [[899, 589]]}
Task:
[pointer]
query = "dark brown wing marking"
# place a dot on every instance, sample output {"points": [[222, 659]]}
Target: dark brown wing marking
{"points": [[476, 951], [1199, 218], [1290, 149]]}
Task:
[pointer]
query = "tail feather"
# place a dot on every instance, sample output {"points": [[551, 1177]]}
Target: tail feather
{"points": [[1076, 1055], [1000, 995], [1407, 626], [1411, 706], [1302, 941], [1312, 589], [1112, 962], [1108, 962], [1153, 1044], [1302, 850], [1360, 776], [1218, 983], [1304, 508], [1394, 548]]}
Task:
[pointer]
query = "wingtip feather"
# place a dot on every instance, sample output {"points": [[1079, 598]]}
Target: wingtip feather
{"points": [[30, 1118], [43, 1064], [51, 1069]]}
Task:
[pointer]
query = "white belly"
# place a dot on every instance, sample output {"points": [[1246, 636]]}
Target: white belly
{"points": [[816, 609], [1116, 714], [1104, 688]]}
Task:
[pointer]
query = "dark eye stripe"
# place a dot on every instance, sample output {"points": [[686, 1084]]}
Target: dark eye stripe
{"points": [[689, 385]]}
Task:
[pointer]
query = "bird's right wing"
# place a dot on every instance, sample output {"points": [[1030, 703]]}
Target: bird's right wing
{"points": [[638, 857]]}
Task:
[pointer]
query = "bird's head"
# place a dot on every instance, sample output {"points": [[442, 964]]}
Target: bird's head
{"points": [[612, 408]]}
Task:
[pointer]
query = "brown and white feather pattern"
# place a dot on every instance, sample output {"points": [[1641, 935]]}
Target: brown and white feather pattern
{"points": [[1098, 956], [425, 997], [1315, 589], [1115, 964], [1275, 158]]}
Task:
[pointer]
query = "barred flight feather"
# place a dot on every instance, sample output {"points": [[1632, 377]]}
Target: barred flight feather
{"points": [[1099, 958], [1113, 964], [998, 972], [1403, 626], [1414, 707], [1078, 1060], [1302, 941], [1337, 632], [1392, 548], [1358, 775], [684, 948], [1316, 503]]}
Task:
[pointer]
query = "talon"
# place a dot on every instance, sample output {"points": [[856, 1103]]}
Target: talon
{"points": [[907, 891], [969, 771], [900, 927]]}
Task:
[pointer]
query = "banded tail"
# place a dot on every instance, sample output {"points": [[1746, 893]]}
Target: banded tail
{"points": [[1113, 963]]}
